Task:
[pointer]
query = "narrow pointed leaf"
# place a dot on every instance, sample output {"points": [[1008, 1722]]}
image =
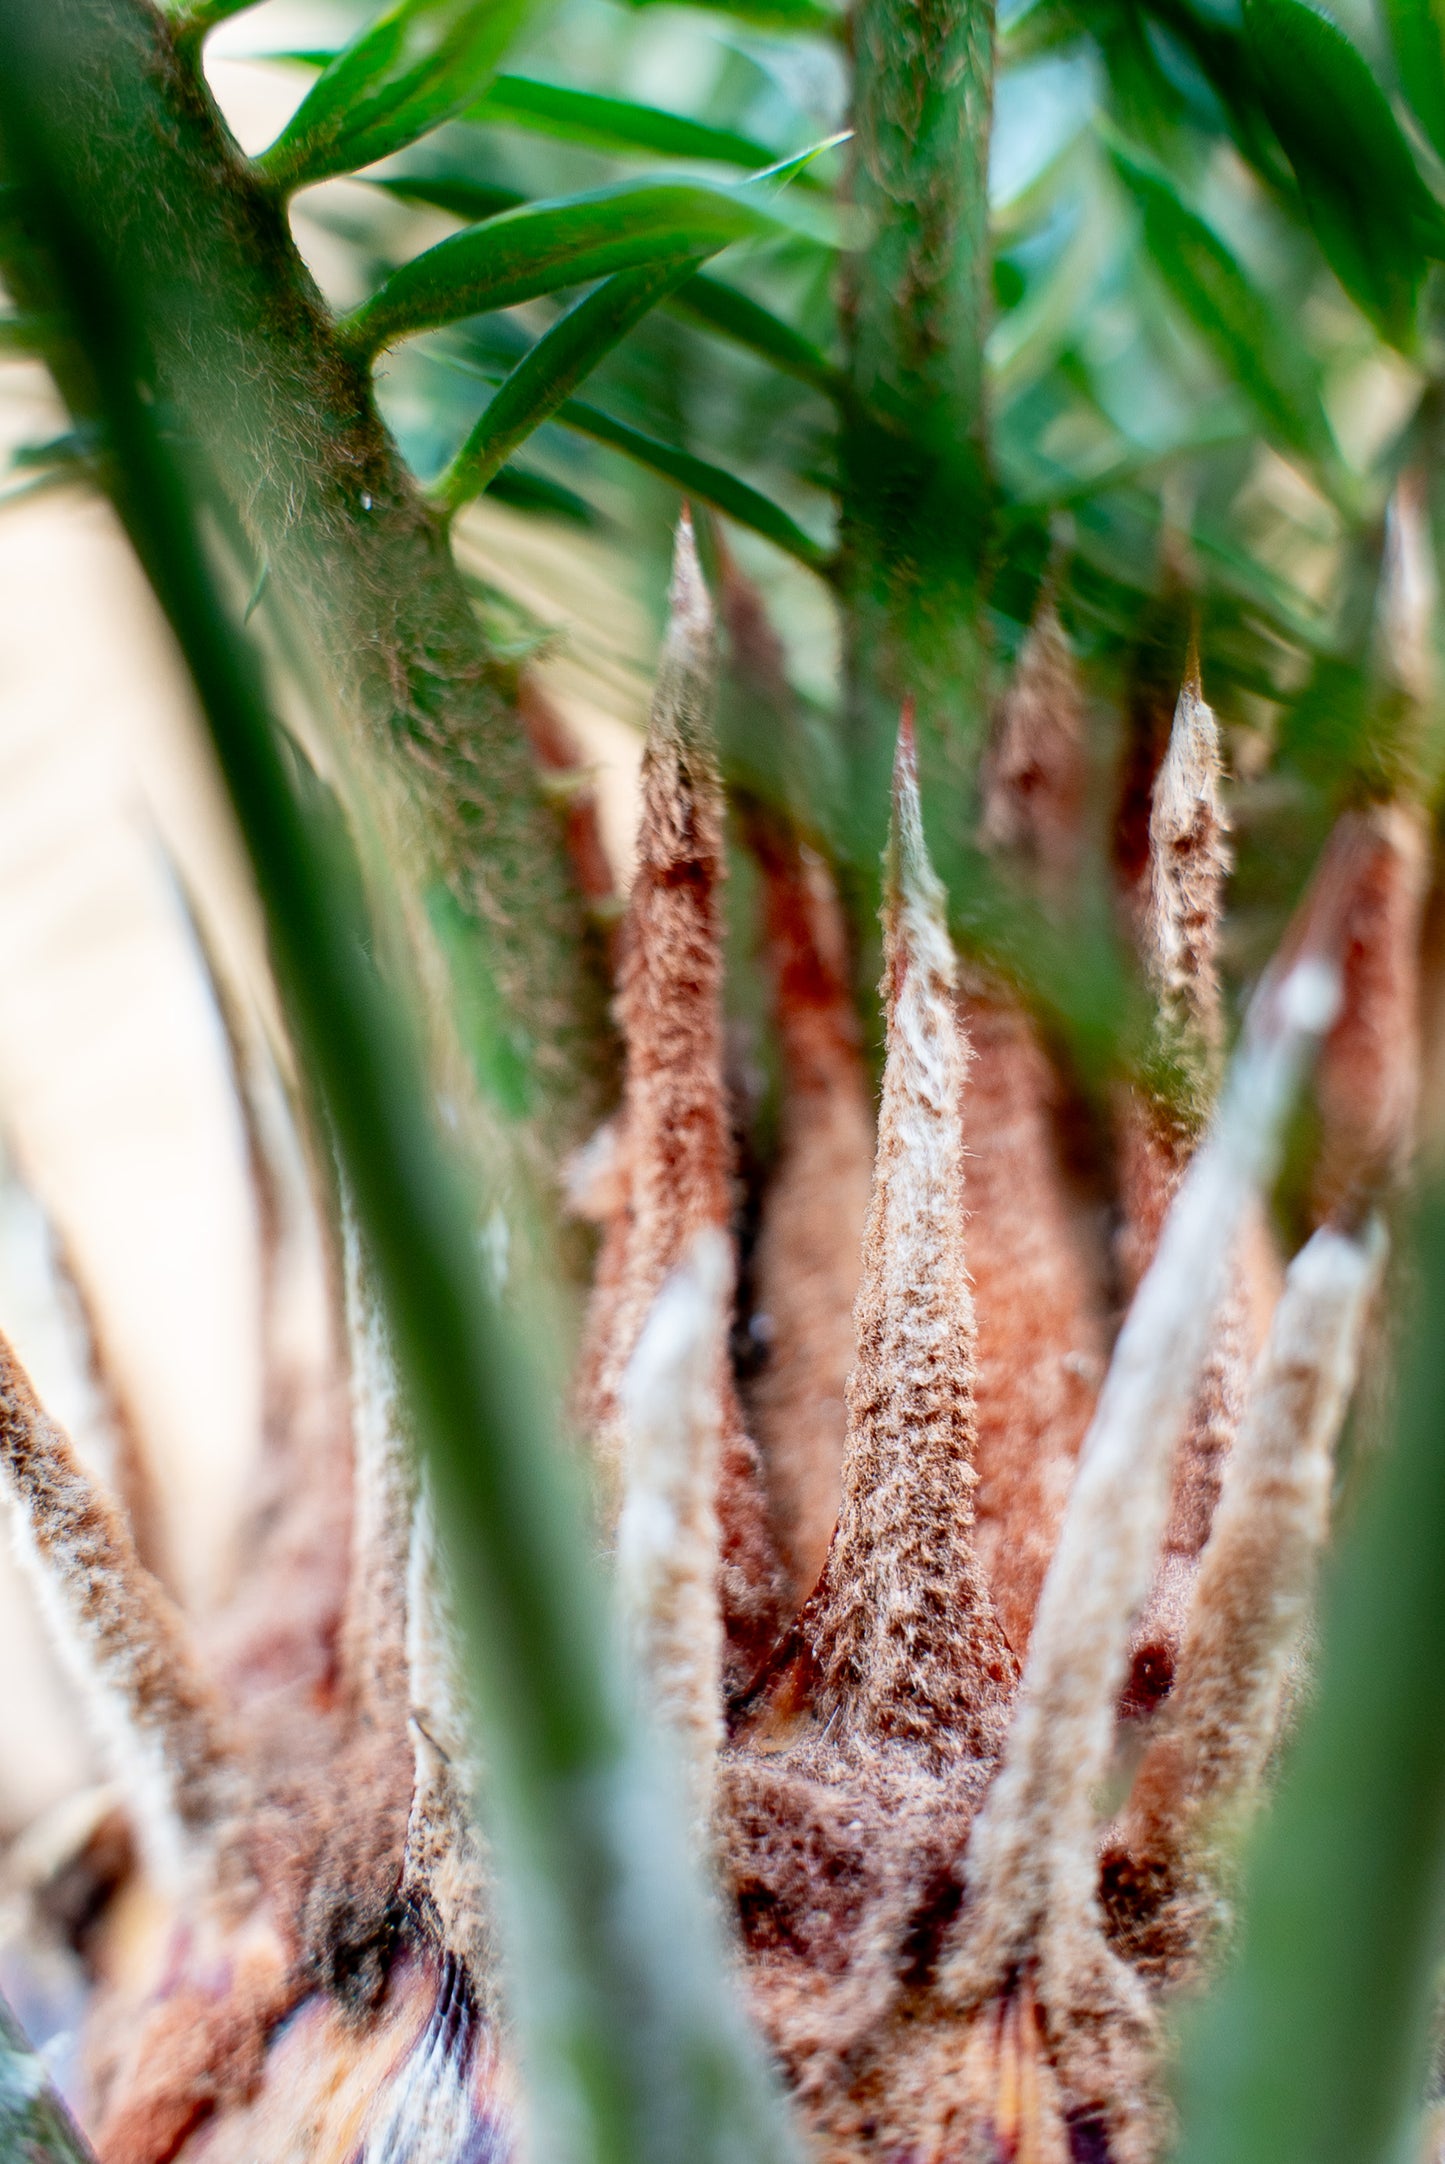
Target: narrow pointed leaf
{"points": [[704, 482], [1372, 214], [792, 15], [1229, 312], [549, 374], [581, 116], [473, 200], [541, 247], [1417, 31], [746, 322], [420, 63], [206, 14]]}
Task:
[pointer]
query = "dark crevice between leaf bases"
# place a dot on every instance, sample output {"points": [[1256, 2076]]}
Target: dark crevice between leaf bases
{"points": [[247, 365], [632, 2044]]}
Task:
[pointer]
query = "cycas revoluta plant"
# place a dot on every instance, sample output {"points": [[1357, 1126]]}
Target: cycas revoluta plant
{"points": [[960, 1473]]}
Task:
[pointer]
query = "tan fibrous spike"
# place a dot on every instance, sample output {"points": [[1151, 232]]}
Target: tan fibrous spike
{"points": [[667, 1531], [1036, 774], [805, 1265], [1179, 928], [1252, 1599], [130, 1650], [676, 1127], [1031, 1865], [904, 1634], [1188, 866], [1368, 1086], [1177, 919], [57, 1323]]}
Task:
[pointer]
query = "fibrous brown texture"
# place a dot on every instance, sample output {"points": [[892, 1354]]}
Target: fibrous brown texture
{"points": [[805, 1267], [1178, 905], [903, 1632], [1035, 776], [857, 1774], [1250, 1604], [952, 1957], [127, 1643], [1037, 1279], [1179, 915], [676, 1161], [1041, 1340], [1369, 1081], [667, 1530], [1031, 1866]]}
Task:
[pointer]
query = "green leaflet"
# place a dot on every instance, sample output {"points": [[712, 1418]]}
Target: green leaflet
{"points": [[699, 479], [417, 65], [1372, 214], [579, 116], [549, 374], [541, 247], [1229, 312], [794, 15], [472, 199], [206, 14], [734, 315], [1417, 31]]}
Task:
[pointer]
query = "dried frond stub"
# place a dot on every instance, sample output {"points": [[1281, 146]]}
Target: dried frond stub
{"points": [[1368, 1086], [675, 1112], [1251, 1598], [1188, 865], [1037, 1286], [805, 1266], [1179, 926], [1037, 1283], [906, 1638], [1031, 1863], [1036, 774], [667, 1532], [129, 1648]]}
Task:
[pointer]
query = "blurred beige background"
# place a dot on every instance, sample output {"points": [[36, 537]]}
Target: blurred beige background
{"points": [[116, 1108]]}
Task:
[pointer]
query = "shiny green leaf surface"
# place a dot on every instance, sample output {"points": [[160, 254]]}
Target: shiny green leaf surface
{"points": [[580, 116], [1228, 311], [556, 365], [1417, 32], [542, 247], [417, 65], [1375, 220], [734, 315], [700, 480]]}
